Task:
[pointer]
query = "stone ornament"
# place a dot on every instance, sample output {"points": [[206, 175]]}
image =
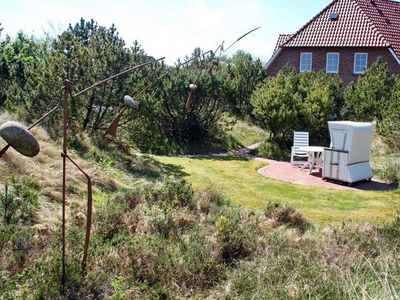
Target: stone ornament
{"points": [[129, 101], [18, 137]]}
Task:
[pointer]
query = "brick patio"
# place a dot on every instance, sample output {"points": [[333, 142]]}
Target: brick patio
{"points": [[286, 172]]}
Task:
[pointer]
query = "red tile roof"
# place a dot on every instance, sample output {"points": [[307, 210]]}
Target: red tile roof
{"points": [[361, 23], [281, 40]]}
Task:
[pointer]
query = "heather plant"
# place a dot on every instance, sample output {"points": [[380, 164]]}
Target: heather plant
{"points": [[286, 215], [147, 243], [19, 202]]}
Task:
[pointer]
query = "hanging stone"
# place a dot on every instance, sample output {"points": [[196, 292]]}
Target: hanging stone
{"points": [[18, 137], [192, 87], [215, 62], [128, 100]]}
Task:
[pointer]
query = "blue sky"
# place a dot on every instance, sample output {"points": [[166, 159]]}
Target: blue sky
{"points": [[169, 28]]}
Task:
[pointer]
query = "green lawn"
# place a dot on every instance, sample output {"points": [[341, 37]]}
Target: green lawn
{"points": [[246, 133], [239, 180]]}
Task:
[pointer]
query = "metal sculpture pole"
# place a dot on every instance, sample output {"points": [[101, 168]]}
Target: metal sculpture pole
{"points": [[214, 63], [112, 128], [65, 156], [67, 89], [28, 139], [22, 140]]}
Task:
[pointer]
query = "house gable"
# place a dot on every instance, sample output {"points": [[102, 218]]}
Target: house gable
{"points": [[353, 28], [346, 27]]}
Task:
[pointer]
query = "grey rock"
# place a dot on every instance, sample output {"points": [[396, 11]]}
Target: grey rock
{"points": [[18, 137], [129, 101]]}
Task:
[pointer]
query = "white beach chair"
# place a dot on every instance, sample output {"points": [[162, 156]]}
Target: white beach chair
{"points": [[300, 139]]}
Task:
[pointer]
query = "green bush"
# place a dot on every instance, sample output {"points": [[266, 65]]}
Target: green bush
{"points": [[273, 151], [164, 124], [99, 156], [390, 125], [388, 169], [148, 244], [297, 102], [234, 239], [368, 98], [243, 74]]}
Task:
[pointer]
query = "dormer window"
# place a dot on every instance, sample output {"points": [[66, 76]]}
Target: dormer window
{"points": [[334, 16]]}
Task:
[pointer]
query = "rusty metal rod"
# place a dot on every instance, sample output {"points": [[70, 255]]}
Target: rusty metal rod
{"points": [[112, 128], [114, 76], [67, 89], [4, 150], [44, 116], [224, 50], [88, 214]]}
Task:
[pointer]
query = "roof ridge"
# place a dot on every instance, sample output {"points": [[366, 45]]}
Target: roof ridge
{"points": [[309, 22]]}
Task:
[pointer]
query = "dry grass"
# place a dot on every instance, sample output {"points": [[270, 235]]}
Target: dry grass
{"points": [[46, 168], [165, 241]]}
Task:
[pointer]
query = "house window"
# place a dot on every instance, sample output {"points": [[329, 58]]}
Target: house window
{"points": [[305, 61], [332, 63], [360, 63]]}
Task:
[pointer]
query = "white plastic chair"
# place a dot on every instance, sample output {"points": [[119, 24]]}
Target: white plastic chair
{"points": [[300, 139]]}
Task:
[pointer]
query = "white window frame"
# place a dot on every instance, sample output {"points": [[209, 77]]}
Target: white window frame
{"points": [[338, 63], [302, 70], [366, 63]]}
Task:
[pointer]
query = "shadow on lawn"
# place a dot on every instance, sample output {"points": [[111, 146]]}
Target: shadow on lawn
{"points": [[374, 186], [170, 169], [177, 170], [217, 157], [364, 185]]}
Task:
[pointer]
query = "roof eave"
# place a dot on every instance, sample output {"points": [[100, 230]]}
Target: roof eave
{"points": [[272, 59], [394, 55]]}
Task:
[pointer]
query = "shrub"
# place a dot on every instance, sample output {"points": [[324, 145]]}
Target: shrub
{"points": [[19, 202], [389, 169], [100, 157], [233, 238], [15, 245], [368, 98], [179, 192], [271, 150], [210, 199], [390, 126], [110, 218], [165, 125], [199, 248], [243, 75], [286, 215], [291, 101]]}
